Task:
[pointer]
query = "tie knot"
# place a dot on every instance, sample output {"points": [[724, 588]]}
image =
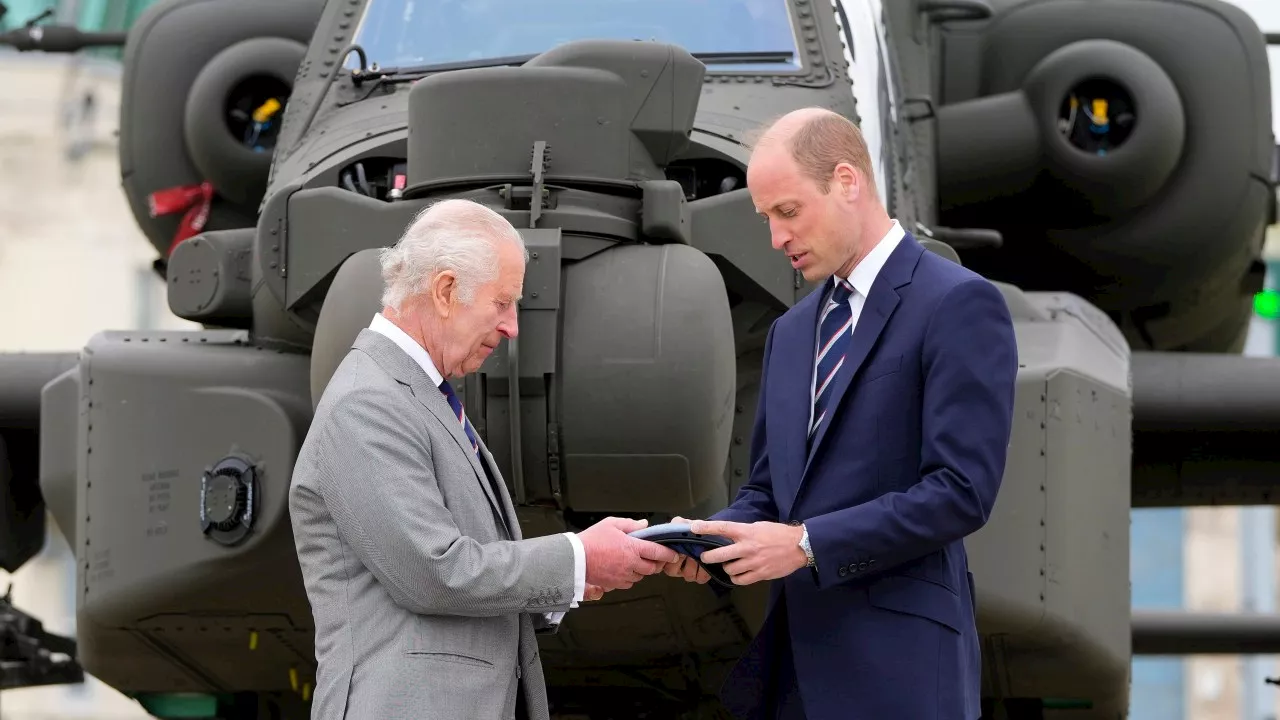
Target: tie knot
{"points": [[842, 291]]}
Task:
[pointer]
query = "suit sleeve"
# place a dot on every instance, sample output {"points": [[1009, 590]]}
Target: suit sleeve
{"points": [[550, 622], [379, 485], [755, 498], [969, 368]]}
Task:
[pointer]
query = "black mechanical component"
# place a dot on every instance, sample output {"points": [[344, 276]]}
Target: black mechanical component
{"points": [[234, 110], [1097, 116], [22, 505], [228, 492], [1204, 427], [375, 177], [54, 38], [1173, 632], [30, 656], [1082, 138], [179, 95], [253, 111]]}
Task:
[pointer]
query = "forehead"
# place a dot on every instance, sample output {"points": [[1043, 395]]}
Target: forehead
{"points": [[510, 269], [773, 177]]}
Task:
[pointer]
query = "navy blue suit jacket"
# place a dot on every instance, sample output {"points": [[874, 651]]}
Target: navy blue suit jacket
{"points": [[907, 463]]}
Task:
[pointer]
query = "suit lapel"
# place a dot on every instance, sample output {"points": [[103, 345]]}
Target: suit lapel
{"points": [[789, 381], [509, 510], [407, 372], [879, 306], [432, 399]]}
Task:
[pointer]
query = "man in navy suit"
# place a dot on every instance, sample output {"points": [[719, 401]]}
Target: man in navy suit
{"points": [[880, 441]]}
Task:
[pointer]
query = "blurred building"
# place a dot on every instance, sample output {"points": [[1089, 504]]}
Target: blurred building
{"points": [[72, 263]]}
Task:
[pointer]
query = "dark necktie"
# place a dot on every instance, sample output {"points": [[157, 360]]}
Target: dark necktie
{"points": [[456, 404], [833, 342]]}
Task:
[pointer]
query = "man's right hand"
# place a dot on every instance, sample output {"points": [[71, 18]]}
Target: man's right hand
{"points": [[616, 561], [685, 566]]}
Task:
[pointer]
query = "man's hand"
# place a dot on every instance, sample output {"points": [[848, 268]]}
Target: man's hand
{"points": [[592, 592], [616, 561], [685, 566], [760, 550]]}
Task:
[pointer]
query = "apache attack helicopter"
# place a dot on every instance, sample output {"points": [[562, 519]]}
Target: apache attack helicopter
{"points": [[1110, 165]]}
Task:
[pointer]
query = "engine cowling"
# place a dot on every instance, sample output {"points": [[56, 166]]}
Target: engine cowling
{"points": [[1124, 151], [203, 95]]}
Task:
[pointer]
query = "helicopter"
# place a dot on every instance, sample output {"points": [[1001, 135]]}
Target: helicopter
{"points": [[1110, 166]]}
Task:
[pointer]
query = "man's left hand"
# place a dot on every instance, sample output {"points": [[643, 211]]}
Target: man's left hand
{"points": [[760, 550]]}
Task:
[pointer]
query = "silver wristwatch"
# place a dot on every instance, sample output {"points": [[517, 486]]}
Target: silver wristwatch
{"points": [[804, 545]]}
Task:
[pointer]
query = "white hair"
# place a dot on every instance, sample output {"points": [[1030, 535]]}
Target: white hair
{"points": [[451, 235]]}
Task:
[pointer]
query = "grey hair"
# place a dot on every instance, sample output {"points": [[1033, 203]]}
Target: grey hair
{"points": [[455, 235]]}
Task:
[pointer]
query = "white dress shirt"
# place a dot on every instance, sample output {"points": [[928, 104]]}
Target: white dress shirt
{"points": [[419, 354], [861, 278]]}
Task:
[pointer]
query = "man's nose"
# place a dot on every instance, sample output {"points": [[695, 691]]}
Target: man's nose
{"points": [[778, 236], [508, 325]]}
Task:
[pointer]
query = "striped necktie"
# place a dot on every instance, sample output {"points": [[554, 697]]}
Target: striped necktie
{"points": [[494, 486], [833, 341], [456, 404]]}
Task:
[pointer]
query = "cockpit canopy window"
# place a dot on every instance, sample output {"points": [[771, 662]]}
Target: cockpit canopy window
{"points": [[411, 33]]}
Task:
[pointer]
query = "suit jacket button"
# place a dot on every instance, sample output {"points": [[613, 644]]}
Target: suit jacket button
{"points": [[844, 570], [862, 566]]}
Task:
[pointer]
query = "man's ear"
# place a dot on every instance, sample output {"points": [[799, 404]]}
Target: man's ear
{"points": [[848, 181], [443, 293]]}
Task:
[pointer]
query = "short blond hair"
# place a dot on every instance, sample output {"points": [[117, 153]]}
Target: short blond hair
{"points": [[818, 140]]}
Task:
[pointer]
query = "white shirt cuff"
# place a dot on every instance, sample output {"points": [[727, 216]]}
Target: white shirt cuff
{"points": [[579, 577], [579, 569]]}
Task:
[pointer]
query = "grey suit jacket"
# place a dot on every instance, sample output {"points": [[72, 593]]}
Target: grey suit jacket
{"points": [[421, 587]]}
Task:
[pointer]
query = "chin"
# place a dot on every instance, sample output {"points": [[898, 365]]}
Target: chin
{"points": [[814, 275]]}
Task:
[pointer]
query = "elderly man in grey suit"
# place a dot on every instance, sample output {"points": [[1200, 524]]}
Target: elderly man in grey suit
{"points": [[424, 593]]}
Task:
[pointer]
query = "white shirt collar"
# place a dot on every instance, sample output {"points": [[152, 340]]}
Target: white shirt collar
{"points": [[382, 325], [865, 272]]}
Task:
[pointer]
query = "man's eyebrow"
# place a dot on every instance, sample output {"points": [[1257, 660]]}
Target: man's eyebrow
{"points": [[776, 205]]}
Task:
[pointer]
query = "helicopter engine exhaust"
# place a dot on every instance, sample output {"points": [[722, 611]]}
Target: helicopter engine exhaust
{"points": [[199, 112], [1124, 152]]}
